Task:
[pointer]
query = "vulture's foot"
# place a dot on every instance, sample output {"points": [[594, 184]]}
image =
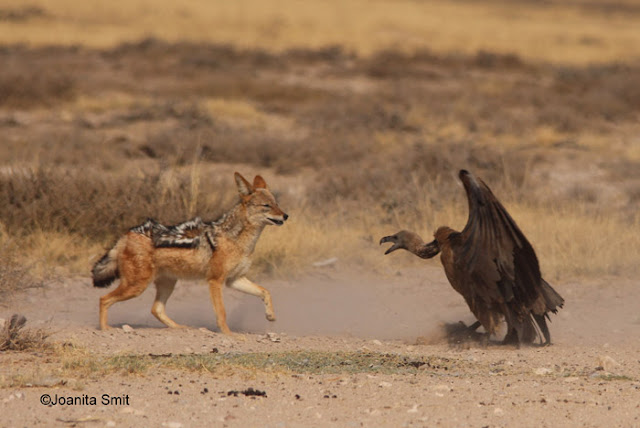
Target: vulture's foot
{"points": [[459, 333], [511, 338], [543, 344]]}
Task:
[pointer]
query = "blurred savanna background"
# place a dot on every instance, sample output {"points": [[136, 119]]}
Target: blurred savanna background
{"points": [[357, 113]]}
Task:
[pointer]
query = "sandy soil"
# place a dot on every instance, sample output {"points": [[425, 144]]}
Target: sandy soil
{"points": [[589, 377]]}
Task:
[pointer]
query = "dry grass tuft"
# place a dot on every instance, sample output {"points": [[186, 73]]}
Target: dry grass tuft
{"points": [[14, 337], [15, 276], [100, 206]]}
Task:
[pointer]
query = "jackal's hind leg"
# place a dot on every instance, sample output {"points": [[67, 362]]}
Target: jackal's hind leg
{"points": [[246, 286], [126, 290], [164, 288]]}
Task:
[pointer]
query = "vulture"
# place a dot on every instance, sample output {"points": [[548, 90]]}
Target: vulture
{"points": [[492, 265]]}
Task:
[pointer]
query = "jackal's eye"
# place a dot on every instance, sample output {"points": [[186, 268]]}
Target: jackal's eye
{"points": [[266, 205]]}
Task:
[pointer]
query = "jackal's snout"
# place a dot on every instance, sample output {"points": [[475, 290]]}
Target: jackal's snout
{"points": [[279, 219]]}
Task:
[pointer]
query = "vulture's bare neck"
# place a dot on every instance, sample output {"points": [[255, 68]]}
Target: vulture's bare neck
{"points": [[417, 246]]}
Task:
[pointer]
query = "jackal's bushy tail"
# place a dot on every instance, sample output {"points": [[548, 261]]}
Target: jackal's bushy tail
{"points": [[105, 271]]}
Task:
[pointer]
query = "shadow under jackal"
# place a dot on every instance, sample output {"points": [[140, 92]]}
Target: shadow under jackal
{"points": [[217, 251]]}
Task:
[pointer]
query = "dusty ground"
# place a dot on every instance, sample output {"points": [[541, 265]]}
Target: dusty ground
{"points": [[589, 377]]}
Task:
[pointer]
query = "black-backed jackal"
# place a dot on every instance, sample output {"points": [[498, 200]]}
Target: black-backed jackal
{"points": [[218, 251]]}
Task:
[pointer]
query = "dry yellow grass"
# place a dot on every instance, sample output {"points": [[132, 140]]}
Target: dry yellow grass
{"points": [[57, 253], [245, 115], [106, 102], [570, 241], [557, 32]]}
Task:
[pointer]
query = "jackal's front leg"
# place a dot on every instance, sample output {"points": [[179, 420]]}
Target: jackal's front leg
{"points": [[215, 290], [246, 286], [164, 289]]}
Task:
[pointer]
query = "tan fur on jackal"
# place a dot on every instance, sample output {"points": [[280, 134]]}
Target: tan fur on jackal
{"points": [[217, 251]]}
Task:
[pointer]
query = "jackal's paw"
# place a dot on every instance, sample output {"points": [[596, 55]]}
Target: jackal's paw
{"points": [[179, 326], [106, 327], [237, 337], [271, 317]]}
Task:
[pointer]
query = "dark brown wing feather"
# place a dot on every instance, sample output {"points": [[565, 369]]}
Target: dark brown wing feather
{"points": [[494, 254]]}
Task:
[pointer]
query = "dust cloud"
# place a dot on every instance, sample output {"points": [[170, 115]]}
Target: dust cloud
{"points": [[395, 307], [405, 305], [415, 305]]}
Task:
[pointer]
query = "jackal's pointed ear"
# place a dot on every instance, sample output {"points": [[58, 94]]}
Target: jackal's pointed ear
{"points": [[259, 182], [244, 187]]}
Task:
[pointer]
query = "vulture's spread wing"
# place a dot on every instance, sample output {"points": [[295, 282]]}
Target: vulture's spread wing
{"points": [[492, 253]]}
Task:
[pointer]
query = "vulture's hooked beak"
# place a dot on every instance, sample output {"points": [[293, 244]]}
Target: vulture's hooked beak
{"points": [[393, 239]]}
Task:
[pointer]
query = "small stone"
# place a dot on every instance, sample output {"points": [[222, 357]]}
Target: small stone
{"points": [[384, 384], [127, 328], [273, 337], [498, 411], [110, 424], [414, 409], [542, 371], [376, 342], [608, 363]]}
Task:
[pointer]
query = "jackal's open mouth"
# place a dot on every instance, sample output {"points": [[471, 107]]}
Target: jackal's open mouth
{"points": [[276, 221]]}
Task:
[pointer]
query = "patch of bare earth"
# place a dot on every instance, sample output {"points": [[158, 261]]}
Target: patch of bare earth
{"points": [[348, 349]]}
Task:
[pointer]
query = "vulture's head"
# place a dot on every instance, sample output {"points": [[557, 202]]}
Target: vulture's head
{"points": [[412, 242]]}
